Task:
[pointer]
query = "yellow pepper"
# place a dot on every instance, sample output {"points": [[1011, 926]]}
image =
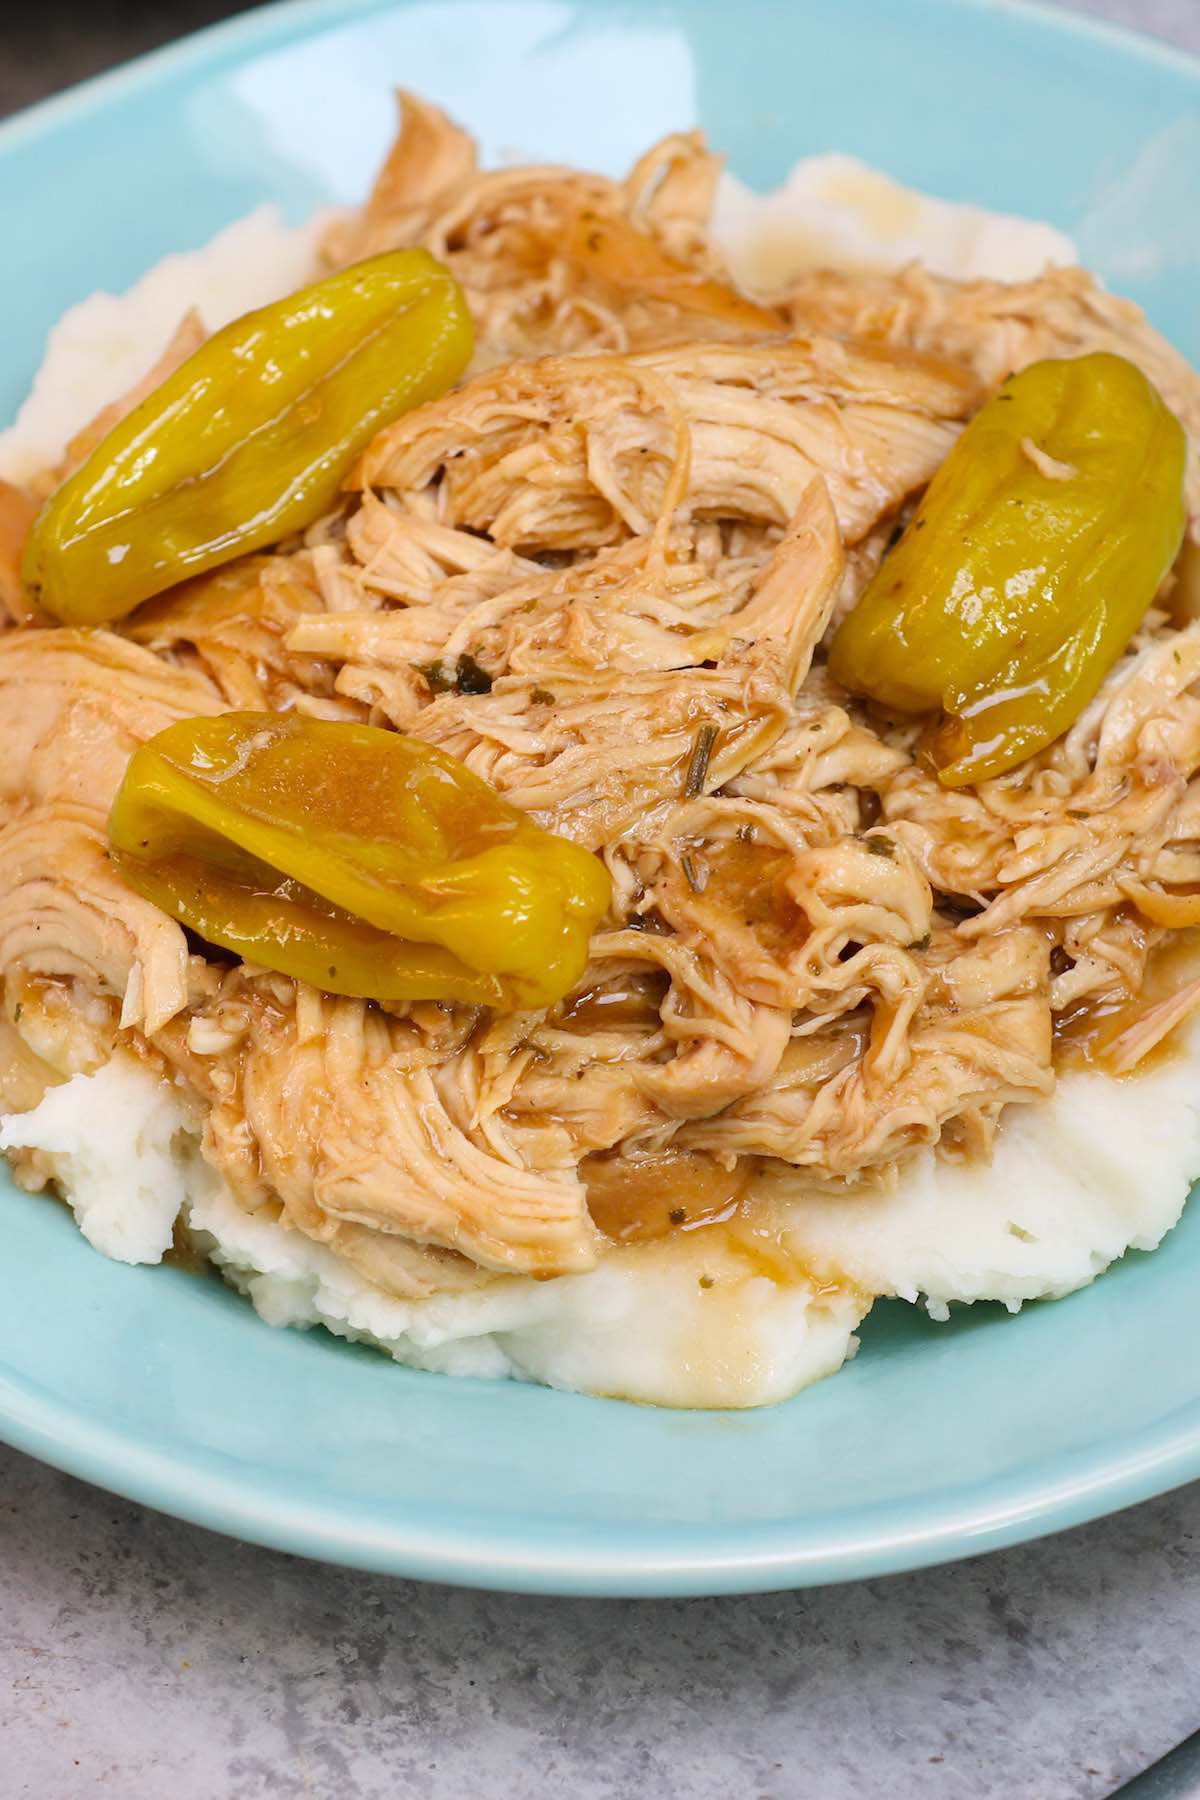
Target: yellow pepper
{"points": [[1027, 566], [251, 438], [357, 859]]}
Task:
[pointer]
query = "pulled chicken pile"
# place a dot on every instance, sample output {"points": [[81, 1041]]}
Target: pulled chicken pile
{"points": [[601, 571]]}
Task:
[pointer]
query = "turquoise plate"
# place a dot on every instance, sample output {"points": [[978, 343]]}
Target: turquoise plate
{"points": [[938, 1440]]}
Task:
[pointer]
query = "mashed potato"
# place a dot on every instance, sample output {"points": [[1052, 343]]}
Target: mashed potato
{"points": [[103, 346], [680, 1325], [834, 211], [706, 1317], [1074, 1183]]}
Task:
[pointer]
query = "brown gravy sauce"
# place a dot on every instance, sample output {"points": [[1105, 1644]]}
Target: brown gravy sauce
{"points": [[635, 1199], [632, 999], [1088, 1036], [183, 1254], [688, 1196], [748, 882]]}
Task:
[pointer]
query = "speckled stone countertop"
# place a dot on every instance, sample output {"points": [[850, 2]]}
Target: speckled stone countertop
{"points": [[147, 1659]]}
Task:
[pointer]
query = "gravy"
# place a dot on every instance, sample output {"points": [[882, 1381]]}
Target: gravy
{"points": [[634, 1199], [715, 1217], [1091, 1035]]}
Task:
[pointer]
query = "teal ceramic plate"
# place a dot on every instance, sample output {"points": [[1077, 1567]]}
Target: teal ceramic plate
{"points": [[938, 1440]]}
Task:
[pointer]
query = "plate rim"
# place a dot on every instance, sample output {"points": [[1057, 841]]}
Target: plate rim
{"points": [[255, 30], [1016, 1512], [1147, 1463]]}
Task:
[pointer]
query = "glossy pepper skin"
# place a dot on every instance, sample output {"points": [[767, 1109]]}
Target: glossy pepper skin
{"points": [[251, 438], [1027, 566], [357, 859]]}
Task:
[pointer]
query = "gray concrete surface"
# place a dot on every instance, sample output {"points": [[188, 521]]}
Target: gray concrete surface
{"points": [[152, 1661], [147, 1659]]}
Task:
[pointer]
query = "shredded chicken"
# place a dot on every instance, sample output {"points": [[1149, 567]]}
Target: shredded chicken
{"points": [[17, 513], [994, 327], [535, 248], [638, 516]]}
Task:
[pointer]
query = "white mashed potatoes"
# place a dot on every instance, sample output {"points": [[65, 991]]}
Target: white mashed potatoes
{"points": [[103, 346], [713, 1317], [642, 1326], [834, 211]]}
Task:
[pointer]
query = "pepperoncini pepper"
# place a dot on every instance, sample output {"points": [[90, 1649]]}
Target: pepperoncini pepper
{"points": [[251, 438], [1027, 567], [360, 860]]}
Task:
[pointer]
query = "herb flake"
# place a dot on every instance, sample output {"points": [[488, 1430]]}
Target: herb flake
{"points": [[696, 879], [435, 677], [697, 769], [469, 677], [472, 678]]}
